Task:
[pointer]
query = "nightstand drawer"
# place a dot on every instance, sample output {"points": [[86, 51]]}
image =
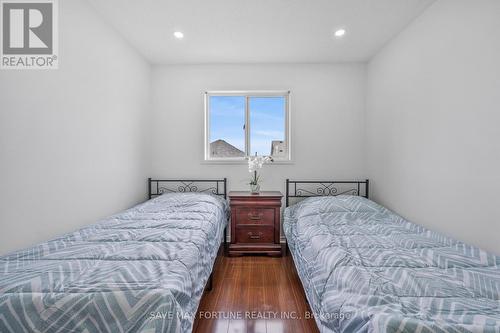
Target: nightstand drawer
{"points": [[255, 216], [261, 234]]}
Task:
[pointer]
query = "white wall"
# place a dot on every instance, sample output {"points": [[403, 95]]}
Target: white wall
{"points": [[433, 115], [73, 141], [327, 110]]}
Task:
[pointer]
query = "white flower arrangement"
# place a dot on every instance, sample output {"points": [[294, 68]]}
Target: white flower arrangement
{"points": [[254, 164]]}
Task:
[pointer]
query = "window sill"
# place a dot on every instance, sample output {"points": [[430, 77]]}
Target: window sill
{"points": [[243, 162]]}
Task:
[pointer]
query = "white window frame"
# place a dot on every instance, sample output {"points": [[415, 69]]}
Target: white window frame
{"points": [[248, 94]]}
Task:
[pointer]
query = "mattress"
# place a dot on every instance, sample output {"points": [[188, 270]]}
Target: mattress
{"points": [[142, 270], [366, 269]]}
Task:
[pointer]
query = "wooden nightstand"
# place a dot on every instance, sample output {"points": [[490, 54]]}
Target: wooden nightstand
{"points": [[255, 223]]}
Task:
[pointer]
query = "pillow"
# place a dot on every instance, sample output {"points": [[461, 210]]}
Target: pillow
{"points": [[333, 204]]}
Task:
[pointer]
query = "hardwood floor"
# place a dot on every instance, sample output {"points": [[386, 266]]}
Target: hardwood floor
{"points": [[254, 294]]}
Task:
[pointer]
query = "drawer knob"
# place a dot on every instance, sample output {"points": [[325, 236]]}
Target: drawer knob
{"points": [[253, 236], [255, 216]]}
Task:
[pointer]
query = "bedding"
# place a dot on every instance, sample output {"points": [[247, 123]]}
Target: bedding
{"points": [[366, 269], [142, 270]]}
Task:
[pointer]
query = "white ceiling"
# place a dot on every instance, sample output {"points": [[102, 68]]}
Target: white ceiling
{"points": [[257, 31]]}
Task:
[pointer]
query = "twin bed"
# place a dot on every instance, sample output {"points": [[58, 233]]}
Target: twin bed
{"points": [[366, 269], [142, 270], [363, 268]]}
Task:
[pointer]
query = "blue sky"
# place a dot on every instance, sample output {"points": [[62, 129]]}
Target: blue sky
{"points": [[267, 119]]}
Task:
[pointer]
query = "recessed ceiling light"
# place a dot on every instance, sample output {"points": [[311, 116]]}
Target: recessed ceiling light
{"points": [[178, 35], [340, 33]]}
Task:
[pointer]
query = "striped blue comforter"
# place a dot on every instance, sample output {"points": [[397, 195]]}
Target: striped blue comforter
{"points": [[366, 269], [143, 270]]}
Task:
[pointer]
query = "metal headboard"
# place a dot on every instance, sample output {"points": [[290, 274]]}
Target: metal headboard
{"points": [[157, 187], [316, 188]]}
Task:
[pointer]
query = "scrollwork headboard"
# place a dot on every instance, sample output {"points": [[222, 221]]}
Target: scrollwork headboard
{"points": [[316, 188], [157, 187]]}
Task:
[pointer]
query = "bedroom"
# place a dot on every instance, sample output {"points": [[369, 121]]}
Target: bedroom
{"points": [[404, 94]]}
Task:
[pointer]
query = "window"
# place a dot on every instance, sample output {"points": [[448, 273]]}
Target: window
{"points": [[239, 124]]}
